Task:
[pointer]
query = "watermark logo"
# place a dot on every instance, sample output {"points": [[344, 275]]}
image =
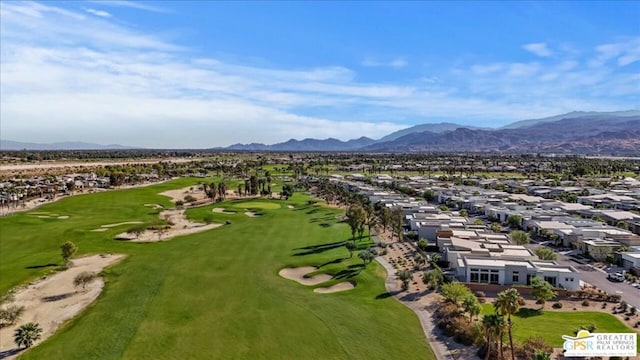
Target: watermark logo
{"points": [[600, 344]]}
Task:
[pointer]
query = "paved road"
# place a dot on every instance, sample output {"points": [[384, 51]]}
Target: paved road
{"points": [[598, 278]]}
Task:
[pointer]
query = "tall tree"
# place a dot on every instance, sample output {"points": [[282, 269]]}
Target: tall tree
{"points": [[493, 325], [355, 219], [397, 221], [212, 191], [370, 218], [222, 190], [508, 303]]}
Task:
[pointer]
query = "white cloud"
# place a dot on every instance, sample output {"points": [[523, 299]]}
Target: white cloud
{"points": [[624, 52], [95, 12], [139, 5], [539, 49], [395, 63]]}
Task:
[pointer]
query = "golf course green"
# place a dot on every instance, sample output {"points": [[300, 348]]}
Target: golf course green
{"points": [[214, 294]]}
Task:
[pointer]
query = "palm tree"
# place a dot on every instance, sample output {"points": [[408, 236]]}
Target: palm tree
{"points": [[222, 190], [27, 334], [507, 303], [471, 306], [493, 325]]}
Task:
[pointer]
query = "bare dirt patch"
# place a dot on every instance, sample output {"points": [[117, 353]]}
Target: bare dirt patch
{"points": [[299, 275], [53, 300], [343, 286]]}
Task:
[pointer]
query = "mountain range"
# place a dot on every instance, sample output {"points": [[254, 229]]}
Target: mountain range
{"points": [[577, 132], [69, 145]]}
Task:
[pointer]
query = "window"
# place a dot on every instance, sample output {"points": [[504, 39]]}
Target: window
{"points": [[550, 279], [494, 279], [474, 277], [484, 278], [515, 278]]}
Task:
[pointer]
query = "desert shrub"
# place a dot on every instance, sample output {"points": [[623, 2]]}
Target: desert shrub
{"points": [[84, 278], [448, 310], [614, 298], [189, 199], [10, 314], [588, 327], [633, 310], [480, 294], [557, 305], [623, 306], [585, 302], [529, 347], [521, 301], [465, 334]]}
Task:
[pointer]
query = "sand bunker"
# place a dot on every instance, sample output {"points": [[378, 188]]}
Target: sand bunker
{"points": [[100, 230], [252, 214], [122, 223], [222, 211], [180, 226], [155, 206], [343, 286], [53, 300], [298, 275], [291, 206], [179, 194], [63, 217]]}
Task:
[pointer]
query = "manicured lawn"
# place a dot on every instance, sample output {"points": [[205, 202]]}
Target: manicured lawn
{"points": [[551, 325], [213, 295], [257, 205]]}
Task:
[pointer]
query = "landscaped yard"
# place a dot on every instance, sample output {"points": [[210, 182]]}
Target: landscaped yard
{"points": [[214, 294], [551, 325]]}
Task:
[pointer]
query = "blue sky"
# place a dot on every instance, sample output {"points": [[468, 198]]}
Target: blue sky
{"points": [[203, 74]]}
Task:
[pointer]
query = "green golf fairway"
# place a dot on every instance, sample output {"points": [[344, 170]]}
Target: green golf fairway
{"points": [[215, 294]]}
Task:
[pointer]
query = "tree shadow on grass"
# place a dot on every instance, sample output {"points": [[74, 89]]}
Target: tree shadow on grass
{"points": [[347, 273], [40, 266], [385, 295], [325, 225], [527, 313], [316, 249], [336, 261]]}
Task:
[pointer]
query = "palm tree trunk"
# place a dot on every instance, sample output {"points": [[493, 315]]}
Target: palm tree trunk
{"points": [[486, 356], [513, 357], [501, 353]]}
